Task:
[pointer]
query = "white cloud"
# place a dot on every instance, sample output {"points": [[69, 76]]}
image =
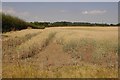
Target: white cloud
{"points": [[21, 14], [63, 11], [35, 17], [12, 11], [94, 12], [85, 12], [9, 11], [24, 14]]}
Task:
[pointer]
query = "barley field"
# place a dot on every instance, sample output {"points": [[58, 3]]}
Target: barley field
{"points": [[61, 52]]}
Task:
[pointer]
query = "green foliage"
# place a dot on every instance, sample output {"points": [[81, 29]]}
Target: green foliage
{"points": [[45, 24], [34, 26], [11, 23], [64, 23], [0, 22], [118, 24]]}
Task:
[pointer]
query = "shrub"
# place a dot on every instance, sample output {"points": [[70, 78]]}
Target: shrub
{"points": [[11, 23]]}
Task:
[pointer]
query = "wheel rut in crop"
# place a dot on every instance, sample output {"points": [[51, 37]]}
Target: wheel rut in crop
{"points": [[36, 49], [10, 46]]}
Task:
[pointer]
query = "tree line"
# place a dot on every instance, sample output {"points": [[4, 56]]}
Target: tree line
{"points": [[12, 23], [64, 23]]}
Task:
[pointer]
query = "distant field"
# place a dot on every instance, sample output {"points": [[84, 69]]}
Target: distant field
{"points": [[61, 52]]}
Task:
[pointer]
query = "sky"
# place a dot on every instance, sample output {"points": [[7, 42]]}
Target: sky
{"points": [[59, 0], [95, 12]]}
